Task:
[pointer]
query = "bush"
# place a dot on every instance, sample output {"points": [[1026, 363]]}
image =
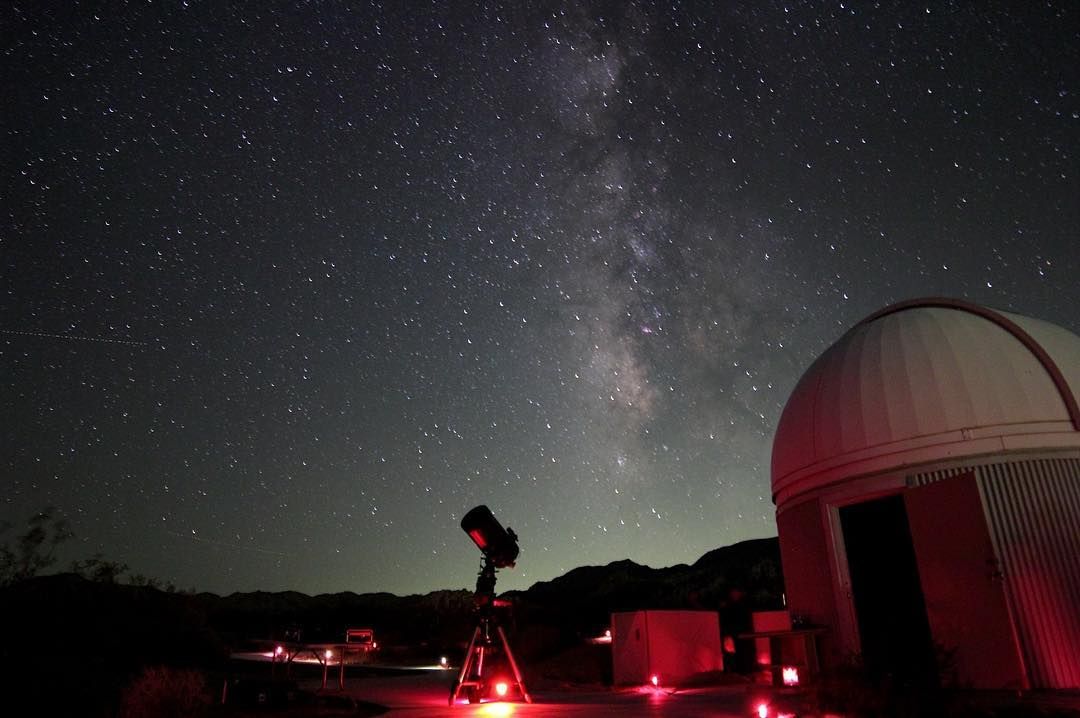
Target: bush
{"points": [[162, 692]]}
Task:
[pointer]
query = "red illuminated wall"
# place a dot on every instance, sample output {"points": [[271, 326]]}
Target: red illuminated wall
{"points": [[962, 585], [808, 576], [673, 645]]}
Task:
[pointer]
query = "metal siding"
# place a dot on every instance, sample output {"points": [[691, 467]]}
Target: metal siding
{"points": [[1010, 547], [932, 476], [1033, 513]]}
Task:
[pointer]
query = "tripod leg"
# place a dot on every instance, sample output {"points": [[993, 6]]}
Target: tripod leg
{"points": [[514, 665], [465, 666]]}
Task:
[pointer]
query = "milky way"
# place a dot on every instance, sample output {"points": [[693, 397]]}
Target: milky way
{"points": [[287, 290]]}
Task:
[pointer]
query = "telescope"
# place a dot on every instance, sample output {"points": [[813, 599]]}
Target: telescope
{"points": [[480, 678], [498, 545]]}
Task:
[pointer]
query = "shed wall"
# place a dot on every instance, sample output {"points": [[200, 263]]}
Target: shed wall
{"points": [[671, 644], [629, 647]]}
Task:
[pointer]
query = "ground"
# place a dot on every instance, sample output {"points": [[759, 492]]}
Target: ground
{"points": [[414, 692], [425, 694]]}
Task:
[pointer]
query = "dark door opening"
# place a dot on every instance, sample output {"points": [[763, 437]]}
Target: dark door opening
{"points": [[886, 591]]}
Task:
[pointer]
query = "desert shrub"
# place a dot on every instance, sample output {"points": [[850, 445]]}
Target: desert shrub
{"points": [[162, 692]]}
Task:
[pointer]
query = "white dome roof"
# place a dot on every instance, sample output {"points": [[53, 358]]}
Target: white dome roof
{"points": [[923, 381]]}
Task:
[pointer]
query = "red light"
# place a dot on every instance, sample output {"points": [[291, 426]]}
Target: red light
{"points": [[763, 710], [790, 675], [655, 680], [500, 689], [278, 651], [479, 538], [496, 710]]}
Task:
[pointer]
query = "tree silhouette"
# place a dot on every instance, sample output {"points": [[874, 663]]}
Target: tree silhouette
{"points": [[98, 568], [35, 549]]}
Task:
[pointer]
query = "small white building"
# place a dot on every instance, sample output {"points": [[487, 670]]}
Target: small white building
{"points": [[671, 645], [926, 475]]}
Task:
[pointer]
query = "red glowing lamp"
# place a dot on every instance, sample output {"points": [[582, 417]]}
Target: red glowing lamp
{"points": [[501, 688], [790, 675], [655, 680]]}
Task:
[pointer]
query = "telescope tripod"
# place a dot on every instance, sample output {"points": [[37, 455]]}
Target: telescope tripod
{"points": [[476, 681]]}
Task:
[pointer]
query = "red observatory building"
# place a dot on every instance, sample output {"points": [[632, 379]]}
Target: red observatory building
{"points": [[926, 475]]}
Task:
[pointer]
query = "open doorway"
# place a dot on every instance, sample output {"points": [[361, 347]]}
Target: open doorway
{"points": [[889, 606]]}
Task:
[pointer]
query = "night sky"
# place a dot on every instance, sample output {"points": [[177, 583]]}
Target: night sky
{"points": [[286, 290]]}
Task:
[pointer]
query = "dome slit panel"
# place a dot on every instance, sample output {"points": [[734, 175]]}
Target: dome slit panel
{"points": [[905, 369], [829, 404], [874, 389], [849, 416], [914, 373], [954, 375]]}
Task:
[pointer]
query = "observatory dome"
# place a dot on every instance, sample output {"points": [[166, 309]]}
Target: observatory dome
{"points": [[925, 381]]}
